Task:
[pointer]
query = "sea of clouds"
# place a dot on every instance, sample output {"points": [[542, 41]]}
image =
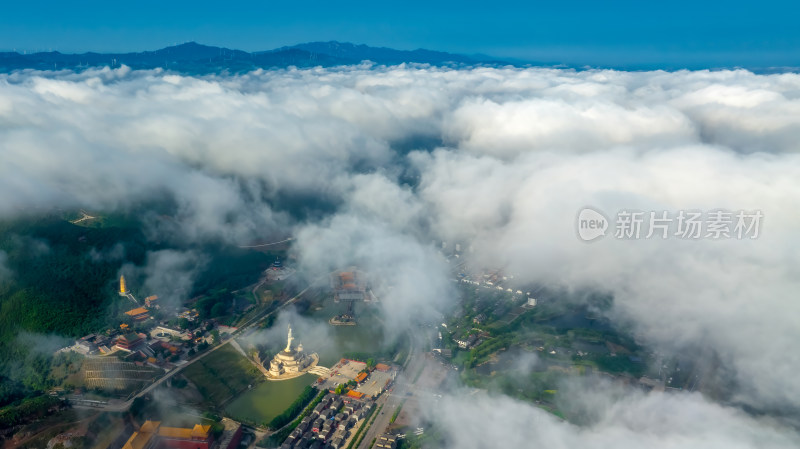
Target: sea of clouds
{"points": [[391, 159]]}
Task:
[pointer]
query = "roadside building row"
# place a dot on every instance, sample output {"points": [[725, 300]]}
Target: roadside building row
{"points": [[329, 424]]}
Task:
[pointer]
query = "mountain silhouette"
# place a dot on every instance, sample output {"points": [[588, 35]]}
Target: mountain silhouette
{"points": [[194, 58]]}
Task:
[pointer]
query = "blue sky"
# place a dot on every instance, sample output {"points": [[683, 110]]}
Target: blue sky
{"points": [[591, 32]]}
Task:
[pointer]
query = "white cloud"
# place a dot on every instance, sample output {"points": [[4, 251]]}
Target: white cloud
{"points": [[733, 296], [410, 279], [521, 151], [620, 420], [167, 273]]}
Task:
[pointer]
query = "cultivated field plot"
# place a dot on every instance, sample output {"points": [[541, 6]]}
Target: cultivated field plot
{"points": [[222, 375], [113, 374], [509, 317]]}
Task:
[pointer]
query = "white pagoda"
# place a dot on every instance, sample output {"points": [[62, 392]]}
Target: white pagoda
{"points": [[290, 361]]}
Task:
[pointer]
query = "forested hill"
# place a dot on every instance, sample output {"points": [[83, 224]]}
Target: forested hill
{"points": [[61, 278], [62, 274]]}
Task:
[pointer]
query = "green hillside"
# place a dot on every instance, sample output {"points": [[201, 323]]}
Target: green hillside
{"points": [[63, 281], [56, 285]]}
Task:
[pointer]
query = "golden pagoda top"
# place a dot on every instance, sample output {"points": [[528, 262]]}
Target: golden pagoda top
{"points": [[122, 289]]}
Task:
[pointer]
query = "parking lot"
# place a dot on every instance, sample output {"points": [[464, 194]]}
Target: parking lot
{"points": [[374, 384], [343, 372]]}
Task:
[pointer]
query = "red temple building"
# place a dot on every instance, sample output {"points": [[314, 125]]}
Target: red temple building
{"points": [[129, 341]]}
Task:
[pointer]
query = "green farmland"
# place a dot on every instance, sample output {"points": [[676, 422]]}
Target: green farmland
{"points": [[222, 375]]}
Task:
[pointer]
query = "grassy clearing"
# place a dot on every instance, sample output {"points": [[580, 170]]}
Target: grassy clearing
{"points": [[222, 375], [396, 412]]}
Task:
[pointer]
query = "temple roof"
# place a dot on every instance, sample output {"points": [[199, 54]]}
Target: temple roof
{"points": [[129, 337], [183, 433], [136, 311], [139, 440]]}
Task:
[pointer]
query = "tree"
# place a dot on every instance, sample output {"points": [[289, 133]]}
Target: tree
{"points": [[212, 417], [183, 323], [218, 310], [137, 406], [215, 334], [268, 322]]}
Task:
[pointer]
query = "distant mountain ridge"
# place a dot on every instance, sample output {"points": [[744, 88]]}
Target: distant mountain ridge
{"points": [[195, 58], [383, 55]]}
